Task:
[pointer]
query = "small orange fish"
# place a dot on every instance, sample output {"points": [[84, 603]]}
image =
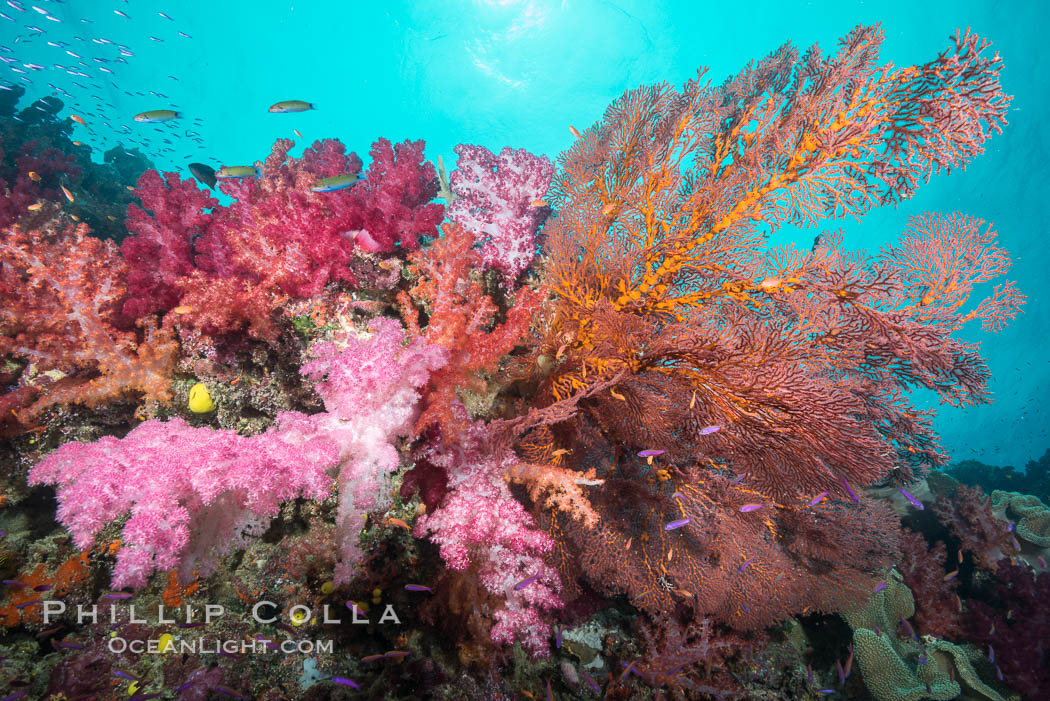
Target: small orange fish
{"points": [[34, 176], [78, 143], [296, 131], [74, 217], [111, 217], [78, 119], [183, 309], [770, 283], [67, 193], [130, 188], [609, 208], [617, 395], [572, 130], [539, 203], [393, 521], [34, 207], [561, 451]]}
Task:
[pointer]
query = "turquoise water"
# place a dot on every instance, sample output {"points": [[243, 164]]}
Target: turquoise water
{"points": [[518, 73]]}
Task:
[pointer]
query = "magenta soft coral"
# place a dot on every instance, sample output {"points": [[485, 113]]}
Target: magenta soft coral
{"points": [[160, 249], [281, 233], [278, 238], [1014, 624]]}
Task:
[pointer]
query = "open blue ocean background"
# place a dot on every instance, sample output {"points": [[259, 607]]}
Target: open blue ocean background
{"points": [[518, 73]]}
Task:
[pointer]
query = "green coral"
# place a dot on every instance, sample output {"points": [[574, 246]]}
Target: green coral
{"points": [[1030, 515], [890, 678], [903, 669], [885, 607]]}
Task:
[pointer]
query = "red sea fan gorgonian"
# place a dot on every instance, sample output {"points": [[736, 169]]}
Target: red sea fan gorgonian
{"points": [[674, 327]]}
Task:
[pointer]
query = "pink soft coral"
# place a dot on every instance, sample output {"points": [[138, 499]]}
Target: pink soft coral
{"points": [[193, 493], [480, 522], [371, 390], [495, 199]]}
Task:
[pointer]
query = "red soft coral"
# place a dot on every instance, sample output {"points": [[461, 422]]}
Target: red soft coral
{"points": [[460, 319], [160, 250], [50, 168], [936, 600], [62, 291], [233, 266]]}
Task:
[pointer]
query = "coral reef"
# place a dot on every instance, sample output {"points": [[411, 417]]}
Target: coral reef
{"points": [[592, 434]]}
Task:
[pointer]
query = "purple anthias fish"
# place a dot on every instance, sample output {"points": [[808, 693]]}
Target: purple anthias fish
{"points": [[417, 587], [708, 430], [750, 507], [676, 524], [849, 489], [912, 500], [650, 453], [817, 499], [346, 682], [525, 582], [593, 684], [68, 646]]}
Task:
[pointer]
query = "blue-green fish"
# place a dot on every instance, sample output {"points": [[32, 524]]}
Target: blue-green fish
{"points": [[232, 172], [157, 116], [336, 182], [291, 106]]}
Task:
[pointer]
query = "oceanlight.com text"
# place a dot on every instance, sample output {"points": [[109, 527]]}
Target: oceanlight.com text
{"points": [[206, 646]]}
